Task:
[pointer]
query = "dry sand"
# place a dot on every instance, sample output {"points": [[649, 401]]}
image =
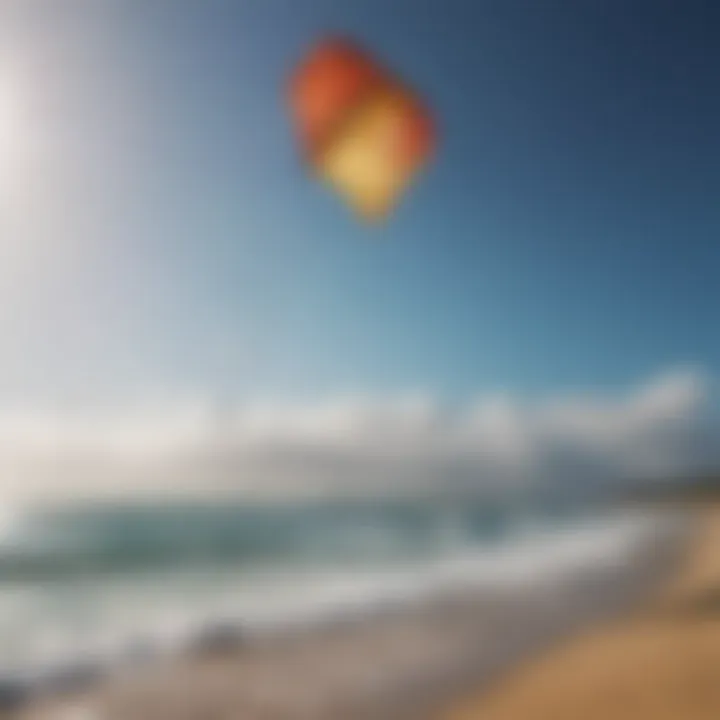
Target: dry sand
{"points": [[662, 663]]}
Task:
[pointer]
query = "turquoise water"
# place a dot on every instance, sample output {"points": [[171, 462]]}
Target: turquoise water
{"points": [[106, 542], [92, 581]]}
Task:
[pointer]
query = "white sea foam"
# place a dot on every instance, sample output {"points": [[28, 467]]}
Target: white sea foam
{"points": [[50, 626]]}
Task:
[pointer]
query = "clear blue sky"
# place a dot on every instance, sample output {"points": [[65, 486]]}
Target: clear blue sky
{"points": [[568, 234]]}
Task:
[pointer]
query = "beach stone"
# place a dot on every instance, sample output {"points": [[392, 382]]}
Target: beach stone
{"points": [[221, 639], [76, 678], [13, 694]]}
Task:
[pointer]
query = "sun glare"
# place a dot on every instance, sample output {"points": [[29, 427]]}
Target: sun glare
{"points": [[11, 137], [7, 118]]}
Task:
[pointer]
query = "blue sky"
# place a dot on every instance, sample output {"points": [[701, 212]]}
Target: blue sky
{"points": [[166, 236]]}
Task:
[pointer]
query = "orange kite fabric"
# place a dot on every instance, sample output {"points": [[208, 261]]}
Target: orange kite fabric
{"points": [[365, 132]]}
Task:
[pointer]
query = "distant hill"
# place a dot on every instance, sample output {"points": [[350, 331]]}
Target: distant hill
{"points": [[703, 489]]}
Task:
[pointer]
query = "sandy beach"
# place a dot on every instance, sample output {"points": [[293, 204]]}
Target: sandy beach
{"points": [[404, 662], [661, 663]]}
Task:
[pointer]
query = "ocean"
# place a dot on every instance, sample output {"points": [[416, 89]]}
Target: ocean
{"points": [[100, 582]]}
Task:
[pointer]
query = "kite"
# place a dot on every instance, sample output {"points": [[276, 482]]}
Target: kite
{"points": [[359, 128]]}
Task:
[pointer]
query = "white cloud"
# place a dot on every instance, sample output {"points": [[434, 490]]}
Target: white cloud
{"points": [[358, 445]]}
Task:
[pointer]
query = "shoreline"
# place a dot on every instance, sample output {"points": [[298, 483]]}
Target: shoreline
{"points": [[394, 663], [660, 662]]}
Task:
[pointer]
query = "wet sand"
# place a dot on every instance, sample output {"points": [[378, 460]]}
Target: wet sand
{"points": [[401, 663], [661, 663]]}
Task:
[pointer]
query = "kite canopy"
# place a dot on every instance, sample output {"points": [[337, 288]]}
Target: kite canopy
{"points": [[328, 84], [360, 128]]}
